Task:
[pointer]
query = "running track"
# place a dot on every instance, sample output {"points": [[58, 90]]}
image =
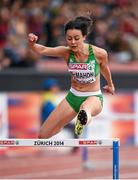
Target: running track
{"points": [[49, 164]]}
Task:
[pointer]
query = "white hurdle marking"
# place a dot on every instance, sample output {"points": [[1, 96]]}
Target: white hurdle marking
{"points": [[114, 143], [57, 143]]}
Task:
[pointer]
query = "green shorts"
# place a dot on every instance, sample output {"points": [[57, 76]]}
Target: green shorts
{"points": [[76, 101]]}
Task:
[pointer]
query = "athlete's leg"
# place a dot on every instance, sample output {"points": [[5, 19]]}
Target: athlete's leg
{"points": [[62, 114], [90, 107]]}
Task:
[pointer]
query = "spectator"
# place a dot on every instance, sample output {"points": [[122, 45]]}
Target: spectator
{"points": [[50, 88], [4, 26], [119, 48], [46, 19]]}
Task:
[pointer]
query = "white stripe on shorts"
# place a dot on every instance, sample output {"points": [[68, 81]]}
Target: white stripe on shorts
{"points": [[79, 93]]}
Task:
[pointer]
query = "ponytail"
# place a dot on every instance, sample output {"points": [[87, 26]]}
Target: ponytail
{"points": [[83, 23]]}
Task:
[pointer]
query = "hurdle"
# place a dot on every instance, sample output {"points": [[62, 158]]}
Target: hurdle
{"points": [[113, 143]]}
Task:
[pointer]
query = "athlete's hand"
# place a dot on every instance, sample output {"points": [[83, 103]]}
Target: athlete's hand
{"points": [[109, 89], [32, 38]]}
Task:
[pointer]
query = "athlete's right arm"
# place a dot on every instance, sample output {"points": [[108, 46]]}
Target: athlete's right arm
{"points": [[59, 51]]}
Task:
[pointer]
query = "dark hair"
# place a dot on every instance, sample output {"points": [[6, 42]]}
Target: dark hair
{"points": [[82, 23]]}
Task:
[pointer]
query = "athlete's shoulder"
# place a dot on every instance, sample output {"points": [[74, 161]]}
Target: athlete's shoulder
{"points": [[99, 53], [68, 52], [64, 50]]}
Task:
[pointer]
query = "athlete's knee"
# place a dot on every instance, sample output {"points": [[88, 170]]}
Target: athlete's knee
{"points": [[47, 134], [44, 135], [84, 106], [40, 136]]}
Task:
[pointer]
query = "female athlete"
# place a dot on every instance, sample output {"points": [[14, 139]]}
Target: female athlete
{"points": [[85, 63]]}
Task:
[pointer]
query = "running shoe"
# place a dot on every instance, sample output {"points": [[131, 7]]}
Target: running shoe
{"points": [[81, 122]]}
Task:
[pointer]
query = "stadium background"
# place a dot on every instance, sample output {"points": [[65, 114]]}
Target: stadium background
{"points": [[22, 74]]}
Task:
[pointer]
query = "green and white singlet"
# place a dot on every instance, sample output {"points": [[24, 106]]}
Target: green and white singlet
{"points": [[85, 72]]}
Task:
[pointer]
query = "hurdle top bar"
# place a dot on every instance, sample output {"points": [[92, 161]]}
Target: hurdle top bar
{"points": [[58, 142]]}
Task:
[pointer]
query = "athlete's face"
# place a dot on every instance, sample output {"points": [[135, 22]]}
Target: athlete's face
{"points": [[75, 39]]}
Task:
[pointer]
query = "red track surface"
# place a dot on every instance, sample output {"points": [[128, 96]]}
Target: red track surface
{"points": [[49, 164]]}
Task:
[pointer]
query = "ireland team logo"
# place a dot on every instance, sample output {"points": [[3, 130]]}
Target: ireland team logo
{"points": [[91, 66]]}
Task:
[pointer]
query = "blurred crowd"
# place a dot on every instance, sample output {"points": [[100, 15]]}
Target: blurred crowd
{"points": [[115, 28]]}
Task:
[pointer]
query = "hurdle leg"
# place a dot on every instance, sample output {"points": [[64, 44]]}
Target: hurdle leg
{"points": [[85, 149], [85, 154], [115, 160], [86, 163]]}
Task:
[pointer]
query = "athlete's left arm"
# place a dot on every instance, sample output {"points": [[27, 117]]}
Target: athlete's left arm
{"points": [[105, 71]]}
